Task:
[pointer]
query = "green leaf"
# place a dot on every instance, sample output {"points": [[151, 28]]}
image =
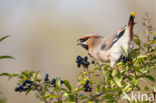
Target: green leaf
{"points": [[35, 78], [67, 84], [82, 96], [150, 78], [153, 33], [118, 81], [27, 92], [137, 41], [58, 83], [6, 57], [6, 74], [98, 89], [1, 39], [66, 94], [124, 50], [50, 96], [108, 96], [142, 56], [150, 42]]}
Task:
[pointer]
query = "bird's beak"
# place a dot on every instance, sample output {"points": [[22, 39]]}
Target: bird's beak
{"points": [[79, 42]]}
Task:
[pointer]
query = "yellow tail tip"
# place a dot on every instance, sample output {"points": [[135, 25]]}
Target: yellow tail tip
{"points": [[133, 14]]}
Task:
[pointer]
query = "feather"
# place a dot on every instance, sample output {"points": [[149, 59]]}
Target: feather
{"points": [[119, 34]]}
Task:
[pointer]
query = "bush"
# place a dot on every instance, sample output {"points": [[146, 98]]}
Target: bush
{"points": [[98, 84]]}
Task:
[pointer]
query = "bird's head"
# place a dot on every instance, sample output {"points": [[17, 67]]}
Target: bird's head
{"points": [[88, 41], [131, 18]]}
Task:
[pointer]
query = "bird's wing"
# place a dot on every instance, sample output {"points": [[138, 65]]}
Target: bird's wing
{"points": [[110, 40], [119, 34]]}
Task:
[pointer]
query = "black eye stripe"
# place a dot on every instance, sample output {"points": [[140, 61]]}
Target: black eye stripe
{"points": [[83, 40]]}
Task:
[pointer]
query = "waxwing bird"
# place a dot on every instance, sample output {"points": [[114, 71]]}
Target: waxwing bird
{"points": [[109, 48]]}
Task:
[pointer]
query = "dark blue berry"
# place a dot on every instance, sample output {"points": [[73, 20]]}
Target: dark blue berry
{"points": [[25, 89], [53, 81], [17, 89], [24, 83], [28, 81], [79, 58], [93, 62], [87, 81], [85, 58], [124, 61], [122, 57], [46, 77], [86, 64], [86, 86], [24, 86], [62, 81], [89, 89], [78, 65], [127, 58], [86, 89], [154, 38]]}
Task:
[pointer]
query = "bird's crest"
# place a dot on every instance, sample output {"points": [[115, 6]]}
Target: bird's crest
{"points": [[84, 37]]}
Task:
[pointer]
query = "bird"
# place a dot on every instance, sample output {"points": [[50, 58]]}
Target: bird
{"points": [[109, 48]]}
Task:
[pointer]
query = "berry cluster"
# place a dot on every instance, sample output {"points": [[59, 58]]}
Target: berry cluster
{"points": [[24, 86], [83, 61], [53, 82], [123, 59], [86, 87]]}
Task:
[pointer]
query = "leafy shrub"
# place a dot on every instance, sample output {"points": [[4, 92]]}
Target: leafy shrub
{"points": [[97, 84]]}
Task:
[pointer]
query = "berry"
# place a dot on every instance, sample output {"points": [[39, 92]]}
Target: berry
{"points": [[24, 83], [82, 61], [53, 81], [78, 65], [46, 77], [93, 62], [87, 81], [28, 81], [154, 38], [85, 58], [122, 57], [86, 89], [86, 64], [124, 61], [24, 86], [79, 58], [25, 89], [17, 89], [86, 86], [89, 89], [127, 58], [62, 81]]}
